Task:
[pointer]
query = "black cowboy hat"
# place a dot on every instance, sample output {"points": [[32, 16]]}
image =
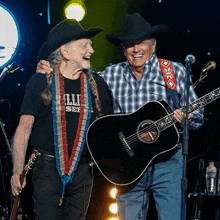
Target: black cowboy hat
{"points": [[62, 33], [136, 27]]}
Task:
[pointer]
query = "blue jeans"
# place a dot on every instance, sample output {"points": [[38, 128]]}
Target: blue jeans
{"points": [[164, 179], [48, 189]]}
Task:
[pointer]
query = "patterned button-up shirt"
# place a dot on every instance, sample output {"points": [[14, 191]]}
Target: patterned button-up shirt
{"points": [[129, 94]]}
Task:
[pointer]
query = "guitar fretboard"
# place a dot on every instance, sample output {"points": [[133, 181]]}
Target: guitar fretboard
{"points": [[169, 120]]}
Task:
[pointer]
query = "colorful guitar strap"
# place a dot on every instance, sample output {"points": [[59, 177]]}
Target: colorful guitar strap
{"points": [[168, 73], [169, 77]]}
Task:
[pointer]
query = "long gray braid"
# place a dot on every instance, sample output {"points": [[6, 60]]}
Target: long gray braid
{"points": [[55, 60]]}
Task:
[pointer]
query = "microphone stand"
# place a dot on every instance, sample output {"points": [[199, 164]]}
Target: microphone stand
{"points": [[201, 79], [204, 73], [198, 188], [185, 141]]}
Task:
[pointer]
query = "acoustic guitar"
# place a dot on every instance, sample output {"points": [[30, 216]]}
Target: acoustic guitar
{"points": [[123, 145]]}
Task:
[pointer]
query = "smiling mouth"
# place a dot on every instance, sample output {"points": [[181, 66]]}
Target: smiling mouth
{"points": [[138, 56], [86, 58]]}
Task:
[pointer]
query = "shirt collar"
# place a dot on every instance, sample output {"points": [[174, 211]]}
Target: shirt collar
{"points": [[153, 59]]}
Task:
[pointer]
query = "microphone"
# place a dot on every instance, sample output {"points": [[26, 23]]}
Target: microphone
{"points": [[211, 65], [190, 59], [5, 71]]}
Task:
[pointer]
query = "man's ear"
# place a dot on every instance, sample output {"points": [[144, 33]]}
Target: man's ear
{"points": [[65, 51]]}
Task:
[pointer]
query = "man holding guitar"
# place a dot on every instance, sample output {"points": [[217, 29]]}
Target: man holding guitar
{"points": [[56, 112], [133, 83], [142, 79]]}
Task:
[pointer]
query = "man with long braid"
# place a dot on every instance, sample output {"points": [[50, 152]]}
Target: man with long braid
{"points": [[56, 112]]}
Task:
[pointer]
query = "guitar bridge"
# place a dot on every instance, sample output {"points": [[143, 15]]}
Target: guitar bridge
{"points": [[126, 145]]}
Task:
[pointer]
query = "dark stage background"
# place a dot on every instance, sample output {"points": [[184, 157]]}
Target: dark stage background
{"points": [[195, 29]]}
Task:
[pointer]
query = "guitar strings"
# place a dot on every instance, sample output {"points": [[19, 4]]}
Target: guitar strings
{"points": [[134, 137], [193, 106], [151, 128]]}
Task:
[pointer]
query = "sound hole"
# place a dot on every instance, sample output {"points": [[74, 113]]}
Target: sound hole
{"points": [[147, 132]]}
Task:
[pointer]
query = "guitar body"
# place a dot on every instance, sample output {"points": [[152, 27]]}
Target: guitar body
{"points": [[122, 163]]}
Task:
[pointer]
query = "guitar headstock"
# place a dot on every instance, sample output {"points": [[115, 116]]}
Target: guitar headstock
{"points": [[31, 160]]}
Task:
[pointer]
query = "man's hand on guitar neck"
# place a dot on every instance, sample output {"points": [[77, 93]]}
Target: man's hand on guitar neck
{"points": [[16, 187], [179, 115]]}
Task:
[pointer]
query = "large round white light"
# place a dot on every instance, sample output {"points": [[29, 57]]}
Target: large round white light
{"points": [[9, 36], [113, 208], [75, 11], [113, 193]]}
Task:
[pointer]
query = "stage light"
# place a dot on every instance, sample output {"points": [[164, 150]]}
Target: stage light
{"points": [[113, 219], [9, 39], [113, 193], [75, 11], [113, 208]]}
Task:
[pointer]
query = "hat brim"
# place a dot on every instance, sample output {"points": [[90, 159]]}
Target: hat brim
{"points": [[153, 33], [49, 47]]}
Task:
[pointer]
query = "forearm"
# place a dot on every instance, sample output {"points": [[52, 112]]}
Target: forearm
{"points": [[197, 120], [19, 151], [20, 144], [21, 138]]}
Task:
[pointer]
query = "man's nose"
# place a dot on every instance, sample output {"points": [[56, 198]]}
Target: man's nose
{"points": [[90, 49], [136, 47]]}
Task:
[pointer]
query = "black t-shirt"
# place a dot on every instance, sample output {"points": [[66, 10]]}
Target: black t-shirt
{"points": [[42, 135]]}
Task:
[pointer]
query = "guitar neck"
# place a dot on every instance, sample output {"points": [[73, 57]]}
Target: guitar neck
{"points": [[203, 101], [17, 198], [24, 173], [169, 120]]}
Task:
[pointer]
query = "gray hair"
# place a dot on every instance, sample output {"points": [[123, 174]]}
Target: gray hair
{"points": [[56, 57], [55, 60], [153, 40]]}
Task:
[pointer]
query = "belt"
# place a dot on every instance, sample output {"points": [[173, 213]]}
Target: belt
{"points": [[46, 155], [50, 156]]}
